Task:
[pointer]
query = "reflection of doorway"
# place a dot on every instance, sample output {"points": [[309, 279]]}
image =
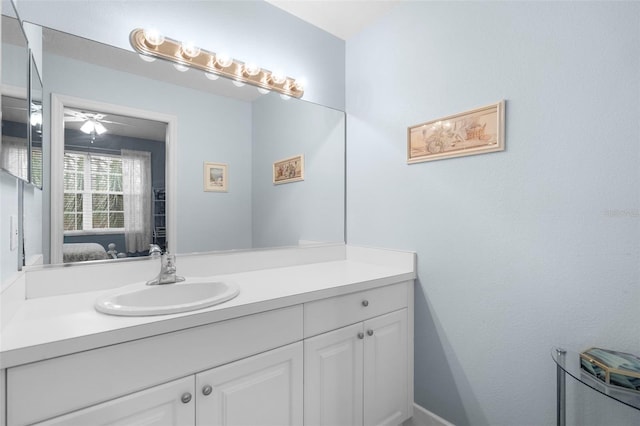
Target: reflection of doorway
{"points": [[106, 173]]}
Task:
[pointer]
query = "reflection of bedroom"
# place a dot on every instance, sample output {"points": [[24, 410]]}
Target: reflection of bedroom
{"points": [[114, 179]]}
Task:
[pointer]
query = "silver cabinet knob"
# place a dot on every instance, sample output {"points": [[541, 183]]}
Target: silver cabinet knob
{"points": [[365, 303], [206, 390], [370, 332], [186, 397], [361, 335]]}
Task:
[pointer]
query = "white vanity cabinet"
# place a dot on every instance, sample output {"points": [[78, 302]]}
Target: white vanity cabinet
{"points": [[263, 346], [345, 360], [359, 374], [265, 389]]}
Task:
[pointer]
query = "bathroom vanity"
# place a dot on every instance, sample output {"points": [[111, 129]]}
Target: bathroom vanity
{"points": [[317, 336]]}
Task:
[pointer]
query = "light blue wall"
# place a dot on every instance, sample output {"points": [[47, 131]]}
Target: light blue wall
{"points": [[519, 250], [312, 209], [206, 125], [14, 66], [249, 30]]}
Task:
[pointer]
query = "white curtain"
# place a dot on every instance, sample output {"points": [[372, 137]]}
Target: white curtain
{"points": [[136, 186], [14, 156]]}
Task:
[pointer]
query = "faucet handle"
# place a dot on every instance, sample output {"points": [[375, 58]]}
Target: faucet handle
{"points": [[155, 250]]}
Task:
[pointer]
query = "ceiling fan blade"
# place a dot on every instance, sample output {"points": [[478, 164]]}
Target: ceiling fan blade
{"points": [[115, 122], [75, 114]]}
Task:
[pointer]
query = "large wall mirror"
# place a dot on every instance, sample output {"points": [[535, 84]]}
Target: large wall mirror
{"points": [[181, 122], [14, 149]]}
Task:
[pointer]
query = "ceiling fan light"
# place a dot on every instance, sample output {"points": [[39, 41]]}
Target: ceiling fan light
{"points": [[99, 127], [88, 127], [36, 118]]}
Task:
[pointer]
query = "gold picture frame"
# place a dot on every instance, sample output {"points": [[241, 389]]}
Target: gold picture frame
{"points": [[288, 170], [216, 177], [478, 131]]}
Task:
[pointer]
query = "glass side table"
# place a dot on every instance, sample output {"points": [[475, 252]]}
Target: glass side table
{"points": [[568, 362]]}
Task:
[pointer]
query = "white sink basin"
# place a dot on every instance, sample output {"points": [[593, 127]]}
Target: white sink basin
{"points": [[141, 299]]}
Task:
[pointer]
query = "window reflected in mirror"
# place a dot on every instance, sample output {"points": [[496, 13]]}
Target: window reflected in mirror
{"points": [[114, 173]]}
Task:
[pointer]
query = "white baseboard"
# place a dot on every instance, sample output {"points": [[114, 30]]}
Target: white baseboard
{"points": [[424, 417]]}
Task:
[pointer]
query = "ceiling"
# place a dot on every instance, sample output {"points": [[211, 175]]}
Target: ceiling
{"points": [[342, 18]]}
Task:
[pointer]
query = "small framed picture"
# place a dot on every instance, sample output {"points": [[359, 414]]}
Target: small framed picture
{"points": [[216, 177], [288, 170], [472, 132]]}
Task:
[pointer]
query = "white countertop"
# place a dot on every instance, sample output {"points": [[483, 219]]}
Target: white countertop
{"points": [[48, 327]]}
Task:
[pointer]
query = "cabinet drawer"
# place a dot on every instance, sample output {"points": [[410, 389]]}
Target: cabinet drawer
{"points": [[335, 312], [46, 389]]}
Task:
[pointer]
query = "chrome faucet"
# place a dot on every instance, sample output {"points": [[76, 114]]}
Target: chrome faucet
{"points": [[167, 273]]}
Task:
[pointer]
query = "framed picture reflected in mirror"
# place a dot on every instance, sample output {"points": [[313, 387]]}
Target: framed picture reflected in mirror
{"points": [[216, 178]]}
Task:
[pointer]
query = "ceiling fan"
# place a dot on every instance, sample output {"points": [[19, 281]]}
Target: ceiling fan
{"points": [[15, 109], [92, 121]]}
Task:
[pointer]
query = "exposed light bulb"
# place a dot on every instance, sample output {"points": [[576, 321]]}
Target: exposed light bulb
{"points": [[263, 90], [211, 76], [299, 84], [181, 68], [153, 37], [146, 58], [189, 50], [251, 69], [223, 60], [278, 77]]}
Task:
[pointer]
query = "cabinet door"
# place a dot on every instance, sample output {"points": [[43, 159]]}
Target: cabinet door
{"points": [[386, 375], [170, 404], [264, 389], [333, 378]]}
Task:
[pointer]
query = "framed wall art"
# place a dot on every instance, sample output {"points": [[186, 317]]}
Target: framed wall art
{"points": [[473, 132], [216, 177], [288, 170]]}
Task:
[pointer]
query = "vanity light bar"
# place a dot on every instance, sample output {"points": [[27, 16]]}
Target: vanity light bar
{"points": [[154, 45]]}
